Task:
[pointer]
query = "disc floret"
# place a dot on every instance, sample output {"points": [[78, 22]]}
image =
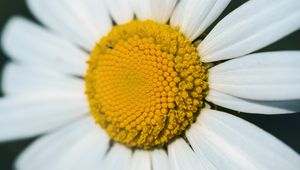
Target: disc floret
{"points": [[145, 83]]}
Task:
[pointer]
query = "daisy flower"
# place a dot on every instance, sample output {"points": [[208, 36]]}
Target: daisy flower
{"points": [[129, 84]]}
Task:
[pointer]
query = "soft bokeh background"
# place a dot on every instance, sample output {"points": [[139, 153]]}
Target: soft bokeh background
{"points": [[284, 127]]}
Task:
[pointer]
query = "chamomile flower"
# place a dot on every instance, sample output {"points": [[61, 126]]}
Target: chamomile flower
{"points": [[136, 93]]}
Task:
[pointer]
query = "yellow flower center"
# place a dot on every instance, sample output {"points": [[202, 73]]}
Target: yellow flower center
{"points": [[145, 83]]}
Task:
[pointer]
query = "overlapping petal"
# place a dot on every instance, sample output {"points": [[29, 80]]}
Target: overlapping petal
{"points": [[253, 106], [194, 16], [141, 160], [157, 10], [272, 76], [33, 114], [21, 80], [120, 10], [34, 46], [181, 156], [82, 22], [78, 146], [229, 142], [250, 27], [160, 160]]}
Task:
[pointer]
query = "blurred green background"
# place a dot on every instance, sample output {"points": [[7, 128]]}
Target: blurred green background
{"points": [[284, 127]]}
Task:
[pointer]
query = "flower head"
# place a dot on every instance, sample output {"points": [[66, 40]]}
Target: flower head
{"points": [[143, 99]]}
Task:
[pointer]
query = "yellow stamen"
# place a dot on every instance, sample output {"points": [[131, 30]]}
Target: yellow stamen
{"points": [[145, 83]]}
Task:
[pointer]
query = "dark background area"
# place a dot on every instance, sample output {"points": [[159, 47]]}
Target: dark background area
{"points": [[284, 127]]}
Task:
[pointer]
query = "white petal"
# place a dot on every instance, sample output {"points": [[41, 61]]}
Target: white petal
{"points": [[156, 10], [118, 157], [260, 76], [253, 106], [160, 160], [252, 26], [141, 160], [33, 114], [141, 8], [232, 143], [21, 80], [85, 153], [78, 146], [181, 156], [194, 16], [83, 22], [120, 10], [32, 45]]}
